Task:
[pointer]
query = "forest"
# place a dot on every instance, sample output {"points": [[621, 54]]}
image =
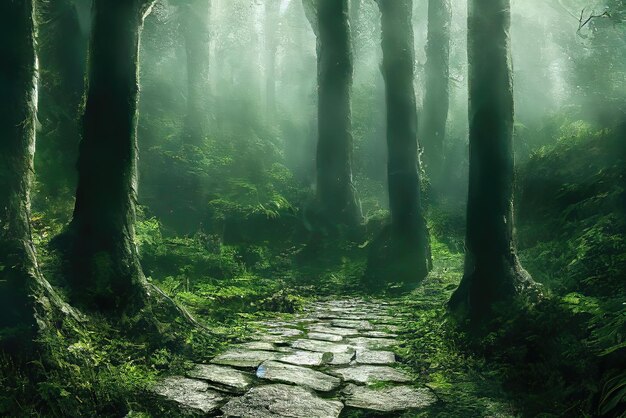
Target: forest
{"points": [[312, 208]]}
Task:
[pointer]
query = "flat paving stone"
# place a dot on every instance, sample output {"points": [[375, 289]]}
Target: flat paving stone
{"points": [[340, 359], [257, 345], [324, 337], [285, 332], [375, 357], [225, 378], [324, 329], [367, 374], [244, 358], [321, 346], [359, 325], [278, 400], [390, 399], [306, 358], [189, 394], [297, 375], [371, 343]]}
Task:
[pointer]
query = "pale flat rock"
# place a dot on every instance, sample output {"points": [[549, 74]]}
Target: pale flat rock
{"points": [[244, 358], [285, 332], [278, 401], [379, 334], [390, 399], [321, 346], [225, 378], [346, 323], [189, 395], [257, 345], [370, 374], [324, 329], [324, 337], [274, 339], [306, 358], [375, 357], [340, 359], [371, 343], [297, 375]]}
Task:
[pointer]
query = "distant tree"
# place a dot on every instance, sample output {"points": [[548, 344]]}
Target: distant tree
{"points": [[195, 30], [493, 273], [271, 45], [336, 196], [106, 274], [436, 100], [25, 295], [402, 253]]}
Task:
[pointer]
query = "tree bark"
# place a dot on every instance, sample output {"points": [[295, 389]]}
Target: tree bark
{"points": [[493, 273], [405, 246], [62, 50], [22, 287], [106, 273], [195, 27], [436, 100], [336, 201]]}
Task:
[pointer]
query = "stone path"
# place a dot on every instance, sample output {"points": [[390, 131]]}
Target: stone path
{"points": [[334, 357]]}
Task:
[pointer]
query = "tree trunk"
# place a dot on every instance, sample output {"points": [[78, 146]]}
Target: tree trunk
{"points": [[493, 273], [336, 199], [195, 26], [436, 101], [22, 287], [271, 45], [105, 266], [62, 50], [403, 250]]}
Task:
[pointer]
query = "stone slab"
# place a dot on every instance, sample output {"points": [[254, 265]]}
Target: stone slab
{"points": [[366, 374], [230, 379], [244, 358], [297, 375], [191, 395], [279, 400], [390, 399]]}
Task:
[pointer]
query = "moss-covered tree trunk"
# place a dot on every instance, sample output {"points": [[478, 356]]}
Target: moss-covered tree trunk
{"points": [[436, 101], [336, 201], [22, 287], [195, 28], [402, 252], [493, 273], [106, 274]]}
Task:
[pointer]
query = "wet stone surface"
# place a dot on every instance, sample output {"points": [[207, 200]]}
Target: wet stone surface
{"points": [[297, 375], [389, 399], [190, 395], [311, 365], [221, 377], [280, 400]]}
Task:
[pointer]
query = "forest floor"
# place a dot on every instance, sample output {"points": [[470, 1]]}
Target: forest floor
{"points": [[338, 357]]}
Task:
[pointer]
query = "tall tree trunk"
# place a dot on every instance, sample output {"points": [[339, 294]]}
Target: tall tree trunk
{"points": [[62, 49], [336, 196], [493, 273], [403, 250], [22, 287], [195, 26], [436, 100], [355, 13], [271, 45], [105, 264]]}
